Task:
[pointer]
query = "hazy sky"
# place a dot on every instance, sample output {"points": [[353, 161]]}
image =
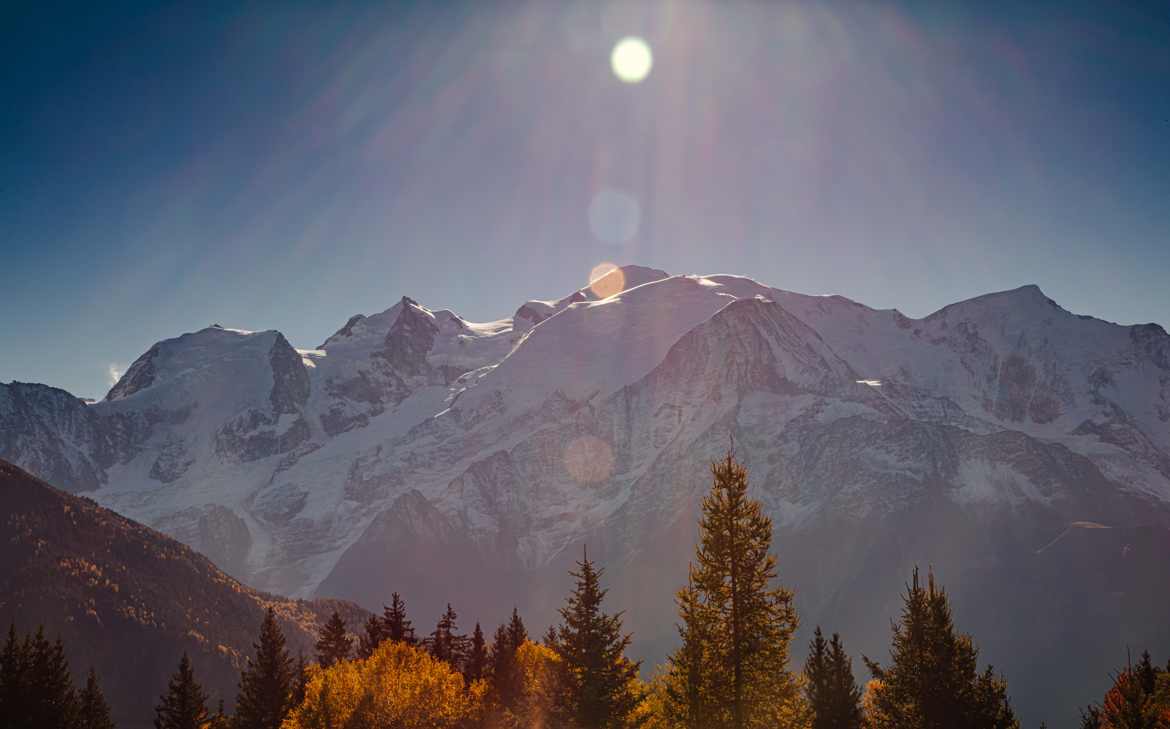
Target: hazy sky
{"points": [[280, 165]]}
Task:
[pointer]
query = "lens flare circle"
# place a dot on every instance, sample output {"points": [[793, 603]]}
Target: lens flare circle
{"points": [[606, 279], [588, 459], [614, 216], [631, 59]]}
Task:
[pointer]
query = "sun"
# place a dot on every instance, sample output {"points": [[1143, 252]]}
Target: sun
{"points": [[631, 59]]}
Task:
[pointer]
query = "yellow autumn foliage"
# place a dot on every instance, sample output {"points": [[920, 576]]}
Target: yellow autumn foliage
{"points": [[398, 686]]}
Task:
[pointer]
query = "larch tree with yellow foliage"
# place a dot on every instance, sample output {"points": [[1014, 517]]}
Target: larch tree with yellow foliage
{"points": [[731, 671]]}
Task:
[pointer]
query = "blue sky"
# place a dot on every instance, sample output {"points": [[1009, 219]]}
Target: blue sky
{"points": [[284, 165]]}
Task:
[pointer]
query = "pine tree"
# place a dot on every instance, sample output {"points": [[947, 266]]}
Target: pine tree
{"points": [[733, 663], [267, 684], [395, 625], [52, 700], [832, 693], [476, 666], [599, 680], [933, 679], [94, 712], [517, 633], [184, 705], [506, 681], [445, 643], [334, 644], [550, 637], [372, 638]]}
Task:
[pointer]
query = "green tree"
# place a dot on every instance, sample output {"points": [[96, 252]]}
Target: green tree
{"points": [[395, 625], [733, 663], [599, 681], [506, 679], [267, 684], [184, 705], [830, 689], [334, 643], [476, 666], [49, 696], [445, 643], [933, 680], [369, 641], [94, 712]]}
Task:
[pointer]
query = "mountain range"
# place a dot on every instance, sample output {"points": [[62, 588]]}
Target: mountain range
{"points": [[1020, 450]]}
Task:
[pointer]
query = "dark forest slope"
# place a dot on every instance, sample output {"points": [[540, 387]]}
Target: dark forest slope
{"points": [[128, 600]]}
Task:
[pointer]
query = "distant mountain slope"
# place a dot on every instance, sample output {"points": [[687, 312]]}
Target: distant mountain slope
{"points": [[127, 600]]}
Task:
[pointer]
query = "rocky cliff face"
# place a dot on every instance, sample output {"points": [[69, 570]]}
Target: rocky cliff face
{"points": [[421, 452]]}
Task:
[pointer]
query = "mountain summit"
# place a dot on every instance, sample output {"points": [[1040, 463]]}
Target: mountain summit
{"points": [[418, 451]]}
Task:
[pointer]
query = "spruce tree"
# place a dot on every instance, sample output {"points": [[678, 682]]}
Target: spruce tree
{"points": [[94, 712], [300, 681], [506, 681], [741, 623], [476, 666], [369, 641], [52, 700], [517, 633], [184, 705], [932, 681], [445, 643], [395, 625], [267, 683], [334, 644], [830, 689], [598, 679]]}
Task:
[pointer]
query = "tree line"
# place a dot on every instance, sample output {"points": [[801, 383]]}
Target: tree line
{"points": [[731, 669]]}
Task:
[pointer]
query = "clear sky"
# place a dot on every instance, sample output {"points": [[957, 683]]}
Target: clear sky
{"points": [[285, 165]]}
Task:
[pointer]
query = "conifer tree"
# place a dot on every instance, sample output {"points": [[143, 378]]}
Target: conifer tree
{"points": [[517, 633], [687, 702], [737, 625], [184, 705], [220, 719], [933, 680], [598, 679], [94, 712], [50, 697], [369, 641], [506, 680], [832, 693], [1138, 699], [267, 683], [445, 643], [476, 666], [334, 644], [395, 625], [550, 637]]}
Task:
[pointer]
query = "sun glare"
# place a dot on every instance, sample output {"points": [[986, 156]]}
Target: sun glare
{"points": [[631, 59]]}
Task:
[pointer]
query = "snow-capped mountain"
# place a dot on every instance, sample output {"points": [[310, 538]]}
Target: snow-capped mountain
{"points": [[417, 451]]}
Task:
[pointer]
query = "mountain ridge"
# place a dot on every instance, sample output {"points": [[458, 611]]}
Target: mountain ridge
{"points": [[503, 446]]}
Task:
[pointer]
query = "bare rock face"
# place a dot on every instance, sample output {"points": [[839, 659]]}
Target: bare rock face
{"points": [[451, 460]]}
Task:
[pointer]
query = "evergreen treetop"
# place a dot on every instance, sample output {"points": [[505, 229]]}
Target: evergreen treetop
{"points": [[599, 681], [267, 683], [396, 626], [334, 643], [184, 705]]}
